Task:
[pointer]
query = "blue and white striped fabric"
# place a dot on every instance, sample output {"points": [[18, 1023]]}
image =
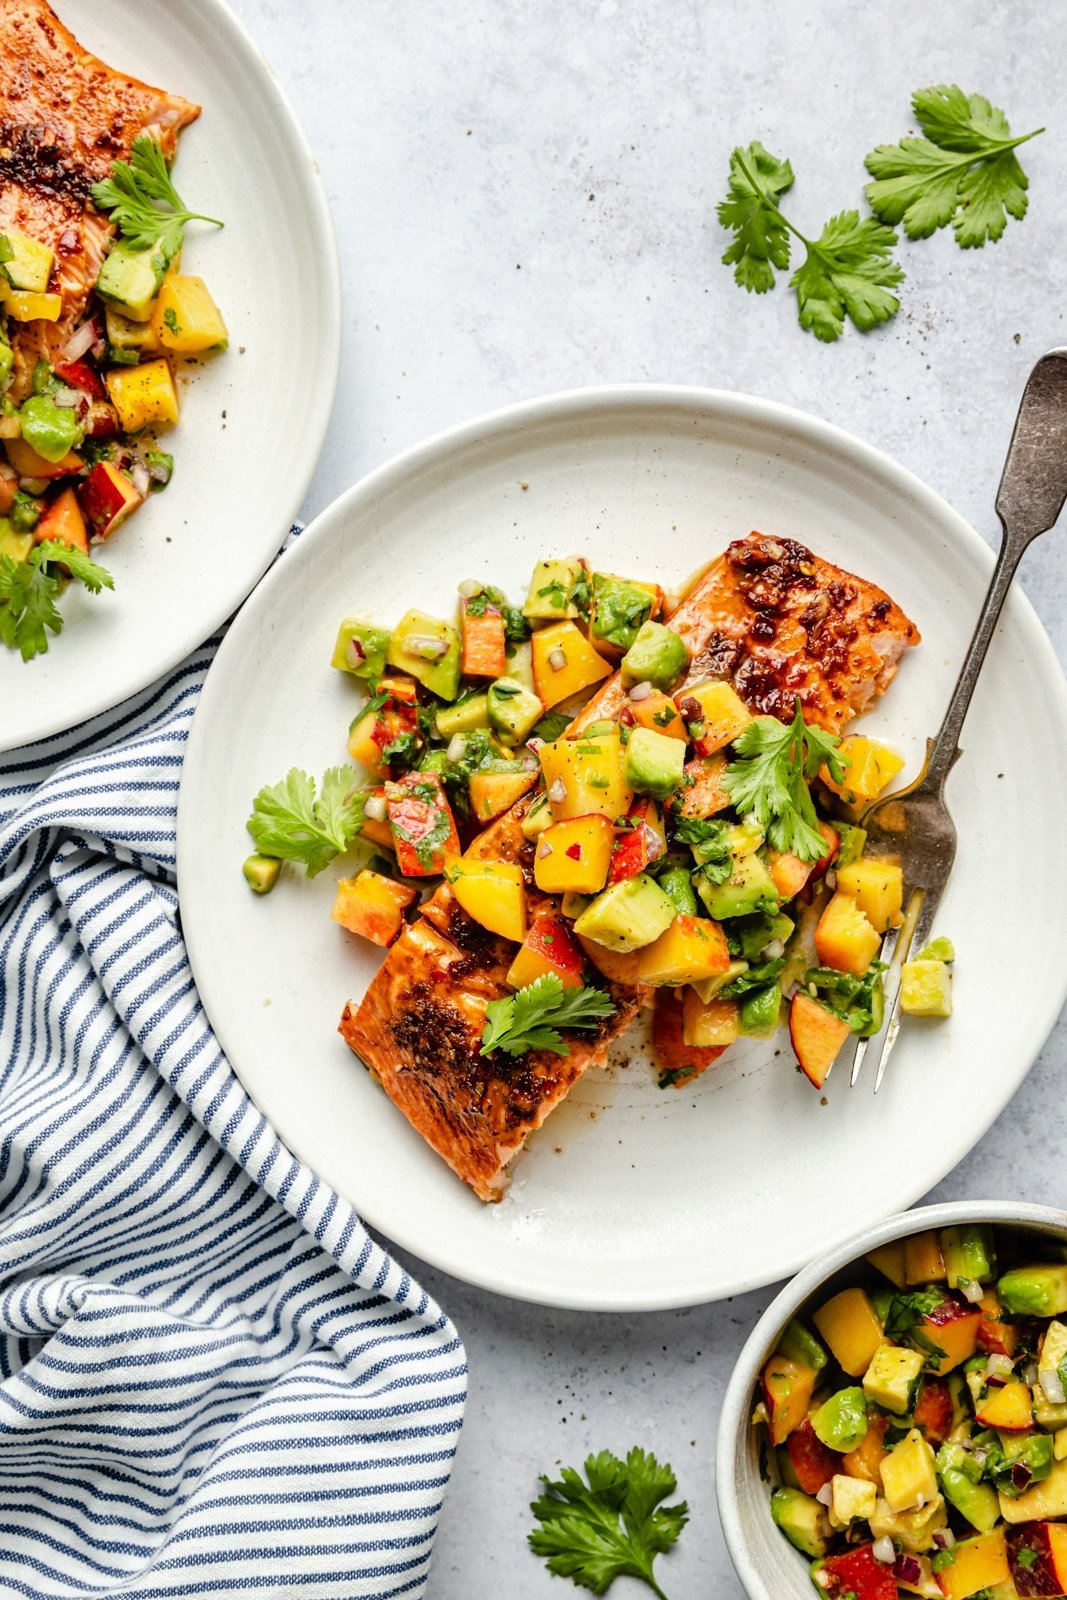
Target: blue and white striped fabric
{"points": [[212, 1381]]}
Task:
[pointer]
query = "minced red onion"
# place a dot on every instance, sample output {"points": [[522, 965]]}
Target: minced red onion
{"points": [[1052, 1384], [81, 340], [375, 808], [558, 792], [139, 478], [543, 849], [456, 747], [640, 691], [971, 1291], [557, 660], [999, 1368], [470, 587], [425, 648], [772, 951], [66, 399], [99, 350], [355, 653], [825, 1496], [944, 1538], [831, 880], [907, 1569], [884, 1550]]}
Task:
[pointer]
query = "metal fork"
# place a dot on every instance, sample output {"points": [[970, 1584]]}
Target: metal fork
{"points": [[914, 824]]}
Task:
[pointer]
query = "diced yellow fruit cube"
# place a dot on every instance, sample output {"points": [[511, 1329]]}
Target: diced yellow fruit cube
{"points": [[692, 948], [125, 334], [1059, 1444], [852, 1498], [923, 1260], [658, 712], [977, 1564], [493, 793], [1046, 1498], [492, 893], [911, 1530], [574, 855], [564, 663], [926, 989], [143, 396], [850, 1326], [909, 1476], [186, 318], [877, 888], [721, 710], [889, 1259], [891, 1377], [711, 1024], [583, 776], [26, 306], [30, 266], [705, 794], [870, 766], [844, 938]]}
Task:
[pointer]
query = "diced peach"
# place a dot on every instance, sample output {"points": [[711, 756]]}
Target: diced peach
{"points": [[816, 1036], [866, 1460], [813, 1463], [789, 873], [704, 794], [933, 1411], [377, 830], [484, 643], [62, 519], [994, 1335], [547, 948], [107, 498], [923, 1261], [953, 1327], [28, 464], [672, 1055], [493, 893], [1037, 1559], [715, 713], [564, 663], [373, 905], [1009, 1408], [618, 966], [424, 829], [855, 1575], [978, 1563], [371, 734], [493, 793], [709, 1023], [844, 938], [658, 712], [640, 843], [691, 949], [877, 888], [574, 855], [787, 1389]]}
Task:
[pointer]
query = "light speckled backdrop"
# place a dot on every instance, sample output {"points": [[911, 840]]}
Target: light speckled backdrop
{"points": [[524, 199]]}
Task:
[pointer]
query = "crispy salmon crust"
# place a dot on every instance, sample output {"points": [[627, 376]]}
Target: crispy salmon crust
{"points": [[65, 116], [773, 620]]}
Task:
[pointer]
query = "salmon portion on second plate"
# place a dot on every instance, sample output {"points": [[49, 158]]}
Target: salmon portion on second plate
{"points": [[774, 621]]}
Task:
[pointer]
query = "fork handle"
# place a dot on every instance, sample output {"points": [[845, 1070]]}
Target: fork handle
{"points": [[1032, 490]]}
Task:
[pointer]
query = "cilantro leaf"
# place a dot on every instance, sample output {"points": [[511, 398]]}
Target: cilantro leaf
{"points": [[145, 207], [858, 1001], [769, 781], [531, 1018], [710, 844], [291, 823], [612, 1523], [848, 271], [963, 170], [29, 591], [761, 233], [906, 1311]]}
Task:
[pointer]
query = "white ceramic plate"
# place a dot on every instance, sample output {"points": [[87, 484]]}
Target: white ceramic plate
{"points": [[253, 419], [630, 1197]]}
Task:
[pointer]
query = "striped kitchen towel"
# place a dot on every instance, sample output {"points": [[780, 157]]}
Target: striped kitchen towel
{"points": [[212, 1380]]}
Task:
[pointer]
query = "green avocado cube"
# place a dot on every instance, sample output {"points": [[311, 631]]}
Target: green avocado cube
{"points": [[657, 656], [520, 663], [850, 843], [361, 648], [970, 1254], [429, 650], [628, 915], [53, 431], [677, 885], [29, 266], [798, 1344], [759, 1012], [12, 543], [748, 889], [512, 709], [926, 989], [1037, 1291], [551, 595], [619, 609], [841, 1421], [707, 989], [130, 280], [537, 818], [750, 935], [464, 717], [893, 1377], [261, 873], [655, 764], [802, 1519], [941, 949], [960, 1478], [1053, 1350]]}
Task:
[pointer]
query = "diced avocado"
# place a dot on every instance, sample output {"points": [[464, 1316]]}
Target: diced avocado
{"points": [[893, 1377], [520, 664], [602, 729], [361, 648], [7, 362], [29, 266], [627, 915], [970, 1254], [926, 989], [12, 543], [429, 650], [551, 593], [537, 818], [512, 710], [261, 873], [1037, 1291], [1053, 1358], [748, 936], [654, 764], [25, 512], [619, 609], [841, 1421], [467, 714], [658, 656], [51, 430], [123, 334], [786, 1470], [851, 841], [882, 1301], [801, 1346], [960, 1478], [131, 279], [677, 885], [938, 950], [802, 1519], [743, 838], [759, 1012], [748, 889], [1030, 1450], [708, 988], [573, 904]]}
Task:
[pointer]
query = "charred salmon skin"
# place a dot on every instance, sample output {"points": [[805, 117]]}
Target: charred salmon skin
{"points": [[776, 622]]}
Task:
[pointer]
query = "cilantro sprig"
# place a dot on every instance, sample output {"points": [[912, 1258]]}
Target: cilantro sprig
{"points": [[530, 1019], [963, 170], [612, 1523], [769, 781], [710, 844], [905, 1313], [290, 821], [145, 207], [846, 272], [29, 590]]}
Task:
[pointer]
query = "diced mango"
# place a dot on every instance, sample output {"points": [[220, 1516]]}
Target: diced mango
{"points": [[709, 1024], [869, 767], [889, 1259], [658, 712], [715, 713], [492, 892], [373, 905], [618, 966], [26, 306], [1010, 1408], [28, 464], [547, 949], [584, 776], [844, 938], [909, 1476], [493, 793], [143, 396], [691, 949], [877, 888], [564, 663], [923, 1261], [574, 855], [186, 318], [926, 989], [978, 1563], [850, 1326], [62, 519], [852, 1498], [787, 1389]]}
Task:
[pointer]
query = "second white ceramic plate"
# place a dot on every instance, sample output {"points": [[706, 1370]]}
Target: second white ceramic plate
{"points": [[253, 418], [630, 1197]]}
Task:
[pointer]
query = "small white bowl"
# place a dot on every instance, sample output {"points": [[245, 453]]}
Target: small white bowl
{"points": [[766, 1562]]}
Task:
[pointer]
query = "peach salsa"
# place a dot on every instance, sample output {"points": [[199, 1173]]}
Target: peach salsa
{"points": [[916, 1422], [615, 813]]}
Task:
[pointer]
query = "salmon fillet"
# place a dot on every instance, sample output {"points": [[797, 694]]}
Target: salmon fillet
{"points": [[65, 116], [776, 622]]}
